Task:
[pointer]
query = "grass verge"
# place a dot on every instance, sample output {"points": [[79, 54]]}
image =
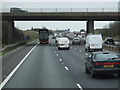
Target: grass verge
{"points": [[32, 36]]}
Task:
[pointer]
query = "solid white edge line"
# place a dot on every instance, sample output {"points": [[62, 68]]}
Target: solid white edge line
{"points": [[79, 86], [15, 69], [57, 54], [66, 68]]}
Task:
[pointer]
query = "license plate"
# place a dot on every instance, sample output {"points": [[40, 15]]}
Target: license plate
{"points": [[108, 66], [61, 44], [93, 45]]}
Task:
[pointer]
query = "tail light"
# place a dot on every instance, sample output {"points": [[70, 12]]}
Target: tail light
{"points": [[46, 40], [106, 63], [40, 40]]}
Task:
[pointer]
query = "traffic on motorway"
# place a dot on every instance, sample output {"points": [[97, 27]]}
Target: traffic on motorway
{"points": [[62, 61], [99, 61]]}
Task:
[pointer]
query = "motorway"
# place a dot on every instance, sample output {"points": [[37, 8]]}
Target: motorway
{"points": [[48, 67]]}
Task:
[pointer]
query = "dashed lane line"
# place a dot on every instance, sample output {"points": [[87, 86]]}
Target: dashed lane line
{"points": [[79, 86], [86, 53], [60, 59], [66, 68]]}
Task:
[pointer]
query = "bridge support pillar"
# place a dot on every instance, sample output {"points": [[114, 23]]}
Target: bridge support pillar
{"points": [[8, 31], [90, 26]]}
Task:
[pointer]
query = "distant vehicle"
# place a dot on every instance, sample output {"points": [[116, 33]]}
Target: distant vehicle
{"points": [[76, 41], [44, 36], [53, 37], [57, 39], [93, 42], [109, 41], [102, 63], [15, 9], [63, 43]]}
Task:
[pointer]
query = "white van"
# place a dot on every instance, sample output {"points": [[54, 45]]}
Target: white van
{"points": [[93, 42], [63, 43]]}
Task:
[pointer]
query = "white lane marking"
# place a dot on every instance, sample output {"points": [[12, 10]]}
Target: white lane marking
{"points": [[15, 69], [79, 86], [55, 51], [57, 54], [60, 59], [66, 68], [75, 48], [80, 50], [86, 54]]}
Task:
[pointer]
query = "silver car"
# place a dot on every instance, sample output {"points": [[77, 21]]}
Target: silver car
{"points": [[76, 41]]}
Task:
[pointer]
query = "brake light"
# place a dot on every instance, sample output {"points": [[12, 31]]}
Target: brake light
{"points": [[106, 63], [40, 40], [46, 40]]}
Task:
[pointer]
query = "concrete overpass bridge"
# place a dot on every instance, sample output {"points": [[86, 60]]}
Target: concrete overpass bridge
{"points": [[90, 17]]}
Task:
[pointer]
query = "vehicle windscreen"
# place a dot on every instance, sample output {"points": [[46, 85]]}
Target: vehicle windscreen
{"points": [[105, 56], [44, 35], [62, 40], [76, 39], [110, 40]]}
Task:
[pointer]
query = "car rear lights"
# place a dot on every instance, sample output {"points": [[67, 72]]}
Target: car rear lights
{"points": [[106, 63], [40, 40]]}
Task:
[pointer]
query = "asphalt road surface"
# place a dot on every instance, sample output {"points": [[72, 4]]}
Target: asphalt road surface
{"points": [[48, 67]]}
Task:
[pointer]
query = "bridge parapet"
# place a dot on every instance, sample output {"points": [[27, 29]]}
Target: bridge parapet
{"points": [[66, 9]]}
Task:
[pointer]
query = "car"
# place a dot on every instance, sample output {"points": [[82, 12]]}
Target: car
{"points": [[109, 41], [94, 42], [102, 62], [56, 40], [76, 41], [63, 43], [15, 9]]}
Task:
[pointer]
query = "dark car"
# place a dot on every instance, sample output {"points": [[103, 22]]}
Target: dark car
{"points": [[15, 9], [102, 62], [109, 41]]}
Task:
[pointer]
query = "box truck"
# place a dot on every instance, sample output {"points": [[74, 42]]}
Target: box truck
{"points": [[93, 42], [44, 36]]}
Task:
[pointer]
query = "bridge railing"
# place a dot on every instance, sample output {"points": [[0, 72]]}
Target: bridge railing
{"points": [[65, 9]]}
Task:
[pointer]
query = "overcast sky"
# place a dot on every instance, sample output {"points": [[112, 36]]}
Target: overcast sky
{"points": [[59, 0], [73, 25]]}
